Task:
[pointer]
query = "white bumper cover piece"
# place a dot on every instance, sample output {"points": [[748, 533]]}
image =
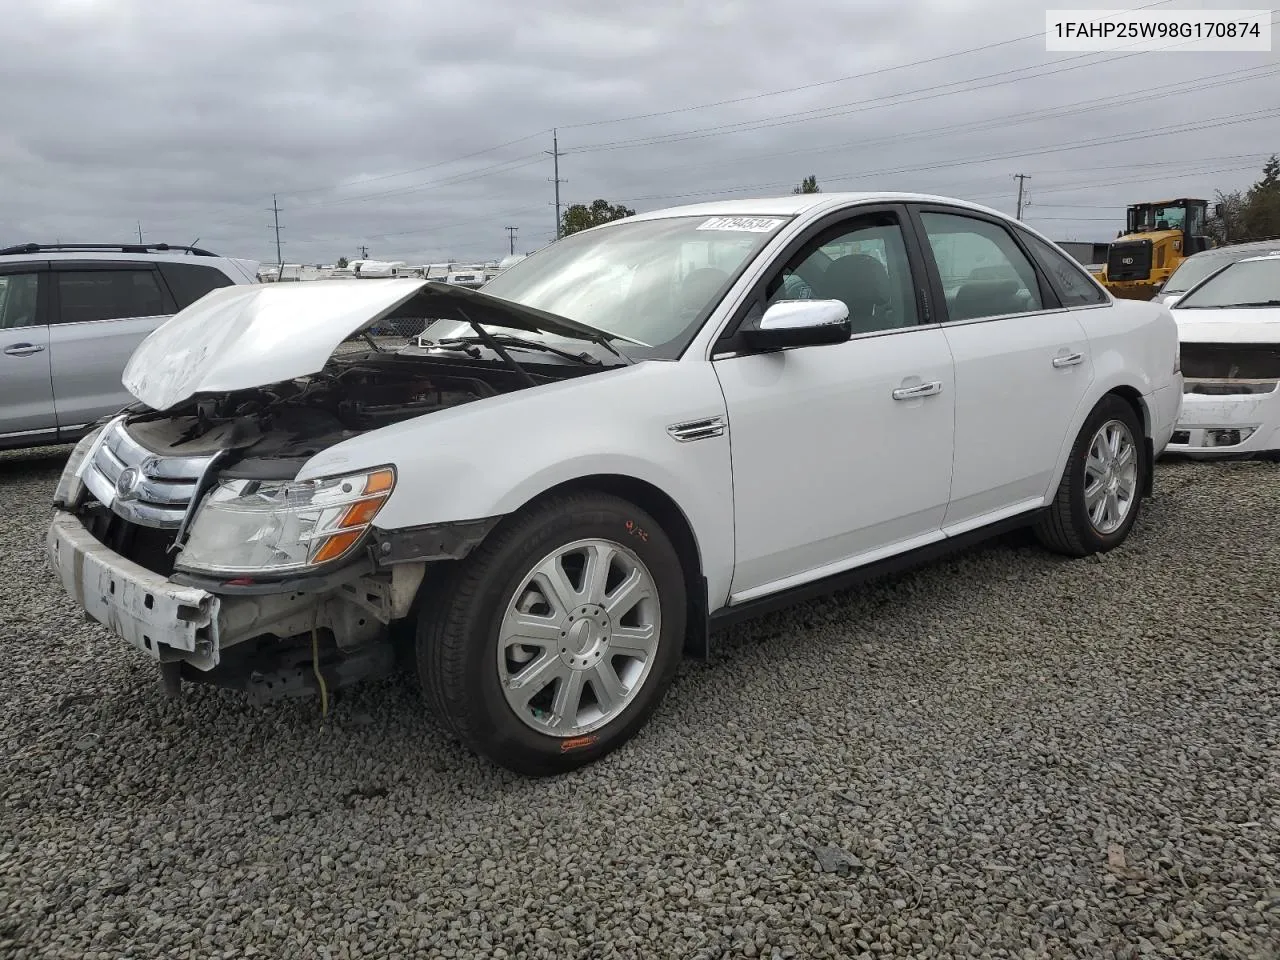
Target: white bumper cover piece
{"points": [[163, 619], [1213, 425]]}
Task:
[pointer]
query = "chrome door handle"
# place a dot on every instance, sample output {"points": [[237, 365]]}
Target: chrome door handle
{"points": [[1070, 360], [920, 390], [23, 349]]}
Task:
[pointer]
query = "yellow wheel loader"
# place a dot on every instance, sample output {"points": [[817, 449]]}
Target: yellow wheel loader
{"points": [[1157, 237]]}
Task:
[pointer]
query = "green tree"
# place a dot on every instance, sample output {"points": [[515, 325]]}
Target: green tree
{"points": [[808, 185], [342, 263], [1260, 218], [579, 216]]}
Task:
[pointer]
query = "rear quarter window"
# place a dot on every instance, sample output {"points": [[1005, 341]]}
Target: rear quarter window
{"points": [[188, 282], [1073, 284]]}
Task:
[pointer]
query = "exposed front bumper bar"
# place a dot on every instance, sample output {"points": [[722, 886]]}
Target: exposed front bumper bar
{"points": [[1225, 424], [166, 621]]}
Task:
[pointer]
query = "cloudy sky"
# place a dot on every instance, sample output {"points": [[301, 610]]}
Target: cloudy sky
{"points": [[421, 129]]}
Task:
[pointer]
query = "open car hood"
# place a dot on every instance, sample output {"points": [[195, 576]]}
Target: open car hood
{"points": [[253, 335]]}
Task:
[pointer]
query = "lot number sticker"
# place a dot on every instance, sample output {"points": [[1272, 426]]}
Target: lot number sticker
{"points": [[743, 224]]}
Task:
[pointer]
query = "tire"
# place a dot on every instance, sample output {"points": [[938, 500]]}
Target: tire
{"points": [[467, 654], [1067, 526]]}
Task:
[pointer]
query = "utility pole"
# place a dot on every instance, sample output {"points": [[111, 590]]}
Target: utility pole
{"points": [[139, 231], [555, 159], [275, 209], [511, 239], [364, 252], [1021, 178]]}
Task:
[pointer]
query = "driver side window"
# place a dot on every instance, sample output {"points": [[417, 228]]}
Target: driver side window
{"points": [[862, 263]]}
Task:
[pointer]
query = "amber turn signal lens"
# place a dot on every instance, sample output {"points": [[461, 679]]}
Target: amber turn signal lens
{"points": [[360, 513], [336, 546], [380, 481]]}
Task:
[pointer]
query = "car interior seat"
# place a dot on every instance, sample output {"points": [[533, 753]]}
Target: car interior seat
{"points": [[986, 298], [862, 283]]}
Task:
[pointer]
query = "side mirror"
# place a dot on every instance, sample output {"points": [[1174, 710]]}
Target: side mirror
{"points": [[800, 323]]}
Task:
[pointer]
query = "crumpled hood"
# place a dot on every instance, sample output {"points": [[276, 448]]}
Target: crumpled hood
{"points": [[253, 335], [1246, 325]]}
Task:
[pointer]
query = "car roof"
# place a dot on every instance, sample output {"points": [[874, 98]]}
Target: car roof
{"points": [[1272, 246], [83, 255], [796, 204]]}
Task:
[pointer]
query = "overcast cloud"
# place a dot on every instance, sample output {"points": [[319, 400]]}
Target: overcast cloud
{"points": [[188, 116]]}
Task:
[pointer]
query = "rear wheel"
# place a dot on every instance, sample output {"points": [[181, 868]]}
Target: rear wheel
{"points": [[554, 641], [1100, 495]]}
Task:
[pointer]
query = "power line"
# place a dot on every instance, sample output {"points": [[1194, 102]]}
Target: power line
{"points": [[1229, 120], [825, 83], [429, 166], [1123, 98], [858, 106], [760, 96]]}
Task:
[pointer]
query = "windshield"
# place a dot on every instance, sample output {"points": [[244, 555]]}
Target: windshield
{"points": [[1243, 283], [1192, 270], [650, 284], [1146, 218]]}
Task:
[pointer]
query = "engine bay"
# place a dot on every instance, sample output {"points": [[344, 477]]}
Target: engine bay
{"points": [[270, 431]]}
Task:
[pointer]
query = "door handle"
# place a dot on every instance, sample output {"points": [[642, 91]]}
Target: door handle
{"points": [[919, 390], [23, 349], [1070, 360]]}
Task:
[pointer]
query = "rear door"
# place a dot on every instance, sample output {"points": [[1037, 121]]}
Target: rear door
{"points": [[1022, 365], [26, 390], [102, 311]]}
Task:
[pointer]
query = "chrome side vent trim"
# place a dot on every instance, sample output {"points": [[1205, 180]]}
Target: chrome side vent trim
{"points": [[703, 429]]}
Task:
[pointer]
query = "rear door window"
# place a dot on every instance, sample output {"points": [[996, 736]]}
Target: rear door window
{"points": [[86, 296], [1073, 286], [188, 282]]}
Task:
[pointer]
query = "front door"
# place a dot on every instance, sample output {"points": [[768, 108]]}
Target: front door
{"points": [[842, 453]]}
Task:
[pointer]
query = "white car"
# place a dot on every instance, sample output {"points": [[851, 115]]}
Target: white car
{"points": [[1229, 325], [638, 434]]}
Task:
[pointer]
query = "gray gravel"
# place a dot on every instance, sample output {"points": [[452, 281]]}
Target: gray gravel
{"points": [[1003, 755]]}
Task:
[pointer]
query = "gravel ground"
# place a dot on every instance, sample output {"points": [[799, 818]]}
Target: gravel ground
{"points": [[1003, 755]]}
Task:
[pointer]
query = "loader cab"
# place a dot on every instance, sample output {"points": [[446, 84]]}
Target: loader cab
{"points": [[1186, 217]]}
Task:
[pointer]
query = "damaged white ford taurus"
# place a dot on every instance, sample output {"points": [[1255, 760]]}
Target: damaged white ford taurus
{"points": [[638, 434]]}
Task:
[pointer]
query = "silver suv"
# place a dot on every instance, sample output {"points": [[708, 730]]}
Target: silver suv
{"points": [[70, 317]]}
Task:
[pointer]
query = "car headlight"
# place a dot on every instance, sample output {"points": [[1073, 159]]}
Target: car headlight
{"points": [[276, 526], [70, 487]]}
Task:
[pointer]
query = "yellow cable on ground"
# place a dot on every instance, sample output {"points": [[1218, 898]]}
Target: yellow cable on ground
{"points": [[315, 668]]}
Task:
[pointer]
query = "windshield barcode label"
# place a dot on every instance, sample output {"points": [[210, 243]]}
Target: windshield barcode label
{"points": [[744, 224]]}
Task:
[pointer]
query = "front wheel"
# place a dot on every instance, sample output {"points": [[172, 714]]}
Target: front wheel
{"points": [[554, 641], [1100, 495]]}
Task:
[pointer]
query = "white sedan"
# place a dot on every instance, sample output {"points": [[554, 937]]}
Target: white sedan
{"points": [[638, 434], [1229, 325]]}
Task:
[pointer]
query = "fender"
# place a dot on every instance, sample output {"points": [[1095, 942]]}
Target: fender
{"points": [[488, 458]]}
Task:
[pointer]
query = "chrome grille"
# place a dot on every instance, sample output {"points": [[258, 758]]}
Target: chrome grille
{"points": [[138, 485]]}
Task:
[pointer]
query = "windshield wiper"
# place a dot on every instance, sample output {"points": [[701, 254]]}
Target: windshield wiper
{"points": [[508, 340]]}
